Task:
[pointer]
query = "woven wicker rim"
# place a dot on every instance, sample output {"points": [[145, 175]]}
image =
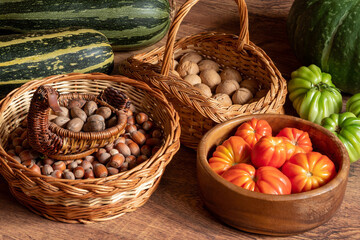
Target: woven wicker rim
{"points": [[243, 38], [158, 67], [172, 143], [107, 133]]}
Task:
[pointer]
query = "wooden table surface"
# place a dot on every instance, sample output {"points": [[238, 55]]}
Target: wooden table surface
{"points": [[175, 210]]}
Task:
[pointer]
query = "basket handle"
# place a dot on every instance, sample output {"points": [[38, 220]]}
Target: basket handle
{"points": [[180, 15]]}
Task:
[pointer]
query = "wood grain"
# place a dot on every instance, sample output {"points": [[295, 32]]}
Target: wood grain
{"points": [[175, 210]]}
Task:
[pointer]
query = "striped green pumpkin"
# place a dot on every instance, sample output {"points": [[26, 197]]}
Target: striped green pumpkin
{"points": [[128, 24], [31, 56]]}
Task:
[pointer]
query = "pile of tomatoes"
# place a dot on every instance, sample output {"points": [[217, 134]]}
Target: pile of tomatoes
{"points": [[256, 160]]}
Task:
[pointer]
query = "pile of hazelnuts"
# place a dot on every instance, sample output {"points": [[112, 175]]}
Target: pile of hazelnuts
{"points": [[140, 141]]}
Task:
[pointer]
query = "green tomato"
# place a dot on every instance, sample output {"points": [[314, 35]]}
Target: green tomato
{"points": [[313, 95], [353, 104], [346, 126]]}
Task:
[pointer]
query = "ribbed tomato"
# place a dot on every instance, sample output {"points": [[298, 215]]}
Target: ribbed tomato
{"points": [[308, 171], [266, 179], [252, 130], [242, 175], [269, 151], [299, 141], [232, 151]]}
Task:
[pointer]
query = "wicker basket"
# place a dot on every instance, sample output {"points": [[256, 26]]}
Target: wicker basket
{"points": [[65, 144], [197, 113], [89, 200]]}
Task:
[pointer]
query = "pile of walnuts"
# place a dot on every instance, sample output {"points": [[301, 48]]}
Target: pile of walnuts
{"points": [[228, 86]]}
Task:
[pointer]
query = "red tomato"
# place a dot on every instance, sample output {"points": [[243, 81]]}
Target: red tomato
{"points": [[232, 151], [242, 175], [266, 179], [251, 131], [271, 180], [308, 171], [291, 149], [269, 151], [297, 137]]}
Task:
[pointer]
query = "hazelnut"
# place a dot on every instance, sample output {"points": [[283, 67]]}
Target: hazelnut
{"points": [[130, 128], [72, 165], [145, 150], [131, 120], [138, 137], [140, 159], [35, 168], [89, 173], [134, 148], [156, 133], [112, 171], [131, 160], [17, 141], [79, 172], [26, 155], [113, 151], [18, 149], [153, 142], [100, 171], [99, 152], [86, 165], [147, 125], [69, 175], [141, 118], [123, 149], [89, 158], [109, 146], [104, 157], [59, 165], [57, 174], [48, 161], [117, 160]]}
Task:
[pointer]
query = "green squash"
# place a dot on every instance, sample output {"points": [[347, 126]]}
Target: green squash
{"points": [[326, 33]]}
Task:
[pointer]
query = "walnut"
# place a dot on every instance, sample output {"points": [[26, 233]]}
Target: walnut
{"points": [[203, 89], [250, 84], [242, 96], [192, 79], [211, 78], [228, 87], [223, 98], [230, 74], [191, 56], [187, 68], [208, 64]]}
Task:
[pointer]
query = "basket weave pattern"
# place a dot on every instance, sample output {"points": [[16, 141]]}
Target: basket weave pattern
{"points": [[197, 113], [89, 200]]}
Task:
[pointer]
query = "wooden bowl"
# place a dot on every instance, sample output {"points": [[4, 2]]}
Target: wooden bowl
{"points": [[272, 214]]}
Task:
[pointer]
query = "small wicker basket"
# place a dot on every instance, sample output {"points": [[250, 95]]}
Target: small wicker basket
{"points": [[97, 199], [197, 113], [65, 144]]}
